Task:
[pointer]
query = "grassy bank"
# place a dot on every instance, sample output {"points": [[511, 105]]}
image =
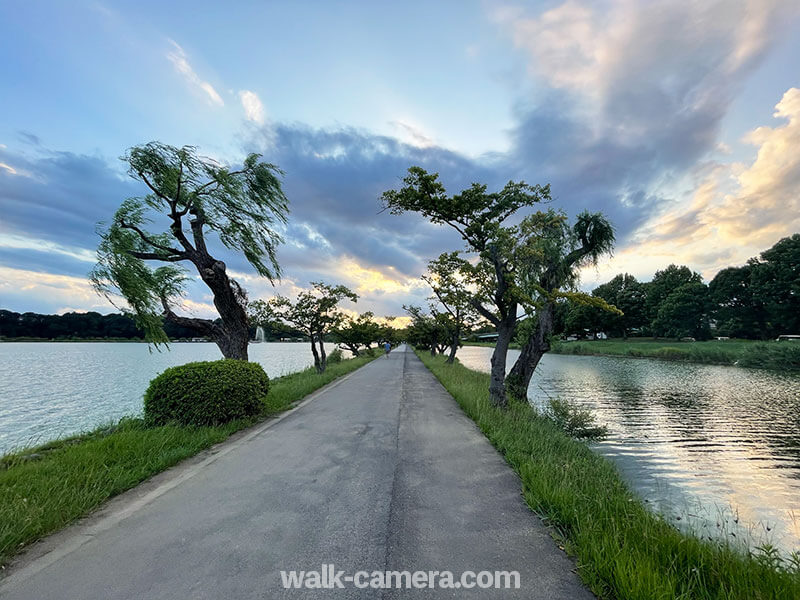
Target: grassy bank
{"points": [[744, 353], [623, 550], [513, 345], [43, 489]]}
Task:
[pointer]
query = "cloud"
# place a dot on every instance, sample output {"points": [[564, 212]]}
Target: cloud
{"points": [[630, 99], [180, 61], [253, 108], [47, 292], [19, 242], [735, 212]]}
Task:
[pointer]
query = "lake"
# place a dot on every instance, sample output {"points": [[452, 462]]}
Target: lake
{"points": [[715, 449], [49, 390]]}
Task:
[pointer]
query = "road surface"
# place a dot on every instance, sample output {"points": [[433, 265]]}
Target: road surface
{"points": [[381, 471]]}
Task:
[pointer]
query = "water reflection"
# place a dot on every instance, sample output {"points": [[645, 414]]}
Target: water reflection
{"points": [[49, 390], [717, 449]]}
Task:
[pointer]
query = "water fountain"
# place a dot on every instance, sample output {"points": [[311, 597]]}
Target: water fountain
{"points": [[259, 335]]}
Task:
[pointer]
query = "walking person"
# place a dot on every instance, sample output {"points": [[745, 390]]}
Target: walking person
{"points": [[388, 348]]}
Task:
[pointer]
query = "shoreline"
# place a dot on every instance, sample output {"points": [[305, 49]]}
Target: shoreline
{"points": [[623, 549], [773, 356], [46, 487]]}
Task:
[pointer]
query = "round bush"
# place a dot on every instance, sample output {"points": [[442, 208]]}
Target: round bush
{"points": [[206, 393]]}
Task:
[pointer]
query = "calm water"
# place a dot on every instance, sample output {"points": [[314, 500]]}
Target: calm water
{"points": [[714, 448], [48, 390]]}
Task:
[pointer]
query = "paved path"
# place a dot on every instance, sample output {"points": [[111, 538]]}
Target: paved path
{"points": [[381, 471]]}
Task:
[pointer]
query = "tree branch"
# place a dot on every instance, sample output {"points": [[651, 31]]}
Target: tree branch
{"points": [[202, 325], [486, 314], [147, 239], [157, 256]]}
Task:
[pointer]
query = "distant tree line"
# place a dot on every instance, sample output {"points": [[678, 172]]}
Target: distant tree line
{"points": [[759, 300], [93, 325]]}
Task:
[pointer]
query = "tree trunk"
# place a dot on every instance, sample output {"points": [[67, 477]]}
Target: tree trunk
{"points": [[505, 329], [323, 358], [453, 348], [233, 335], [519, 378], [317, 362]]}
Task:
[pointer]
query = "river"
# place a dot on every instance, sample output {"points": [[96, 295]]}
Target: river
{"points": [[715, 449], [49, 390]]}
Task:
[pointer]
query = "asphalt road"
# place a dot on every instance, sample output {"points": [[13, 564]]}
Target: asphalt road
{"points": [[381, 471]]}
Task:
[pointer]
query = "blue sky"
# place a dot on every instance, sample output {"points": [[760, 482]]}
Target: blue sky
{"points": [[680, 120]]}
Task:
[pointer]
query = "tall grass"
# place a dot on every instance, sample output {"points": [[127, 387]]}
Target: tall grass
{"points": [[745, 353], [623, 550], [42, 489]]}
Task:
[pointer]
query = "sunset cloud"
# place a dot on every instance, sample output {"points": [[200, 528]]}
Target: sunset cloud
{"points": [[736, 211]]}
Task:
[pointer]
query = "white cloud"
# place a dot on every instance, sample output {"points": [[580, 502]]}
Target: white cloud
{"points": [[412, 134], [15, 171], [19, 242], [253, 107], [735, 211], [179, 60]]}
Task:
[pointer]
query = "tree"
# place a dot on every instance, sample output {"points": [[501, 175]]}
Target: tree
{"points": [[664, 283], [353, 333], [550, 256], [315, 312], [450, 288], [735, 306], [428, 331], [477, 216], [198, 196], [628, 295], [684, 313], [776, 282]]}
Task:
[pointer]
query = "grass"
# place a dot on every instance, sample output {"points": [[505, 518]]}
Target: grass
{"points": [[623, 550], [42, 489], [513, 345], [744, 353]]}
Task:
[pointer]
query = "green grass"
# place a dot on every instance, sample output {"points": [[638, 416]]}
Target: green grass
{"points": [[623, 550], [42, 489], [744, 353], [490, 344]]}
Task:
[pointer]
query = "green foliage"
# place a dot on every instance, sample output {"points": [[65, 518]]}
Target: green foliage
{"points": [[684, 313], [623, 550], [664, 283], [630, 297], [574, 420], [355, 333], [206, 393], [474, 213], [315, 312], [772, 355], [335, 357], [197, 195]]}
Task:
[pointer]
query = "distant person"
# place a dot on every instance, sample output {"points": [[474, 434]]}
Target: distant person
{"points": [[387, 347]]}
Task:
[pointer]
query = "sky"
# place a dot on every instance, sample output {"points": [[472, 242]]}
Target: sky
{"points": [[678, 119]]}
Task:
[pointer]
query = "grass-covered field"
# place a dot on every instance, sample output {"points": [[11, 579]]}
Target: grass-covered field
{"points": [[623, 550], [42, 489], [744, 353]]}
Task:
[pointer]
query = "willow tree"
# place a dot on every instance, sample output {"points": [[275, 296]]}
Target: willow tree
{"points": [[315, 312], [477, 215], [550, 256], [197, 197]]}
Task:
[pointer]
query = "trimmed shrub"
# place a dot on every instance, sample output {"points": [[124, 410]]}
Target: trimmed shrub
{"points": [[206, 393], [335, 357]]}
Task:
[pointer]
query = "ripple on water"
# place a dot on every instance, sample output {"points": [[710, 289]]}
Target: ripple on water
{"points": [[708, 444]]}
